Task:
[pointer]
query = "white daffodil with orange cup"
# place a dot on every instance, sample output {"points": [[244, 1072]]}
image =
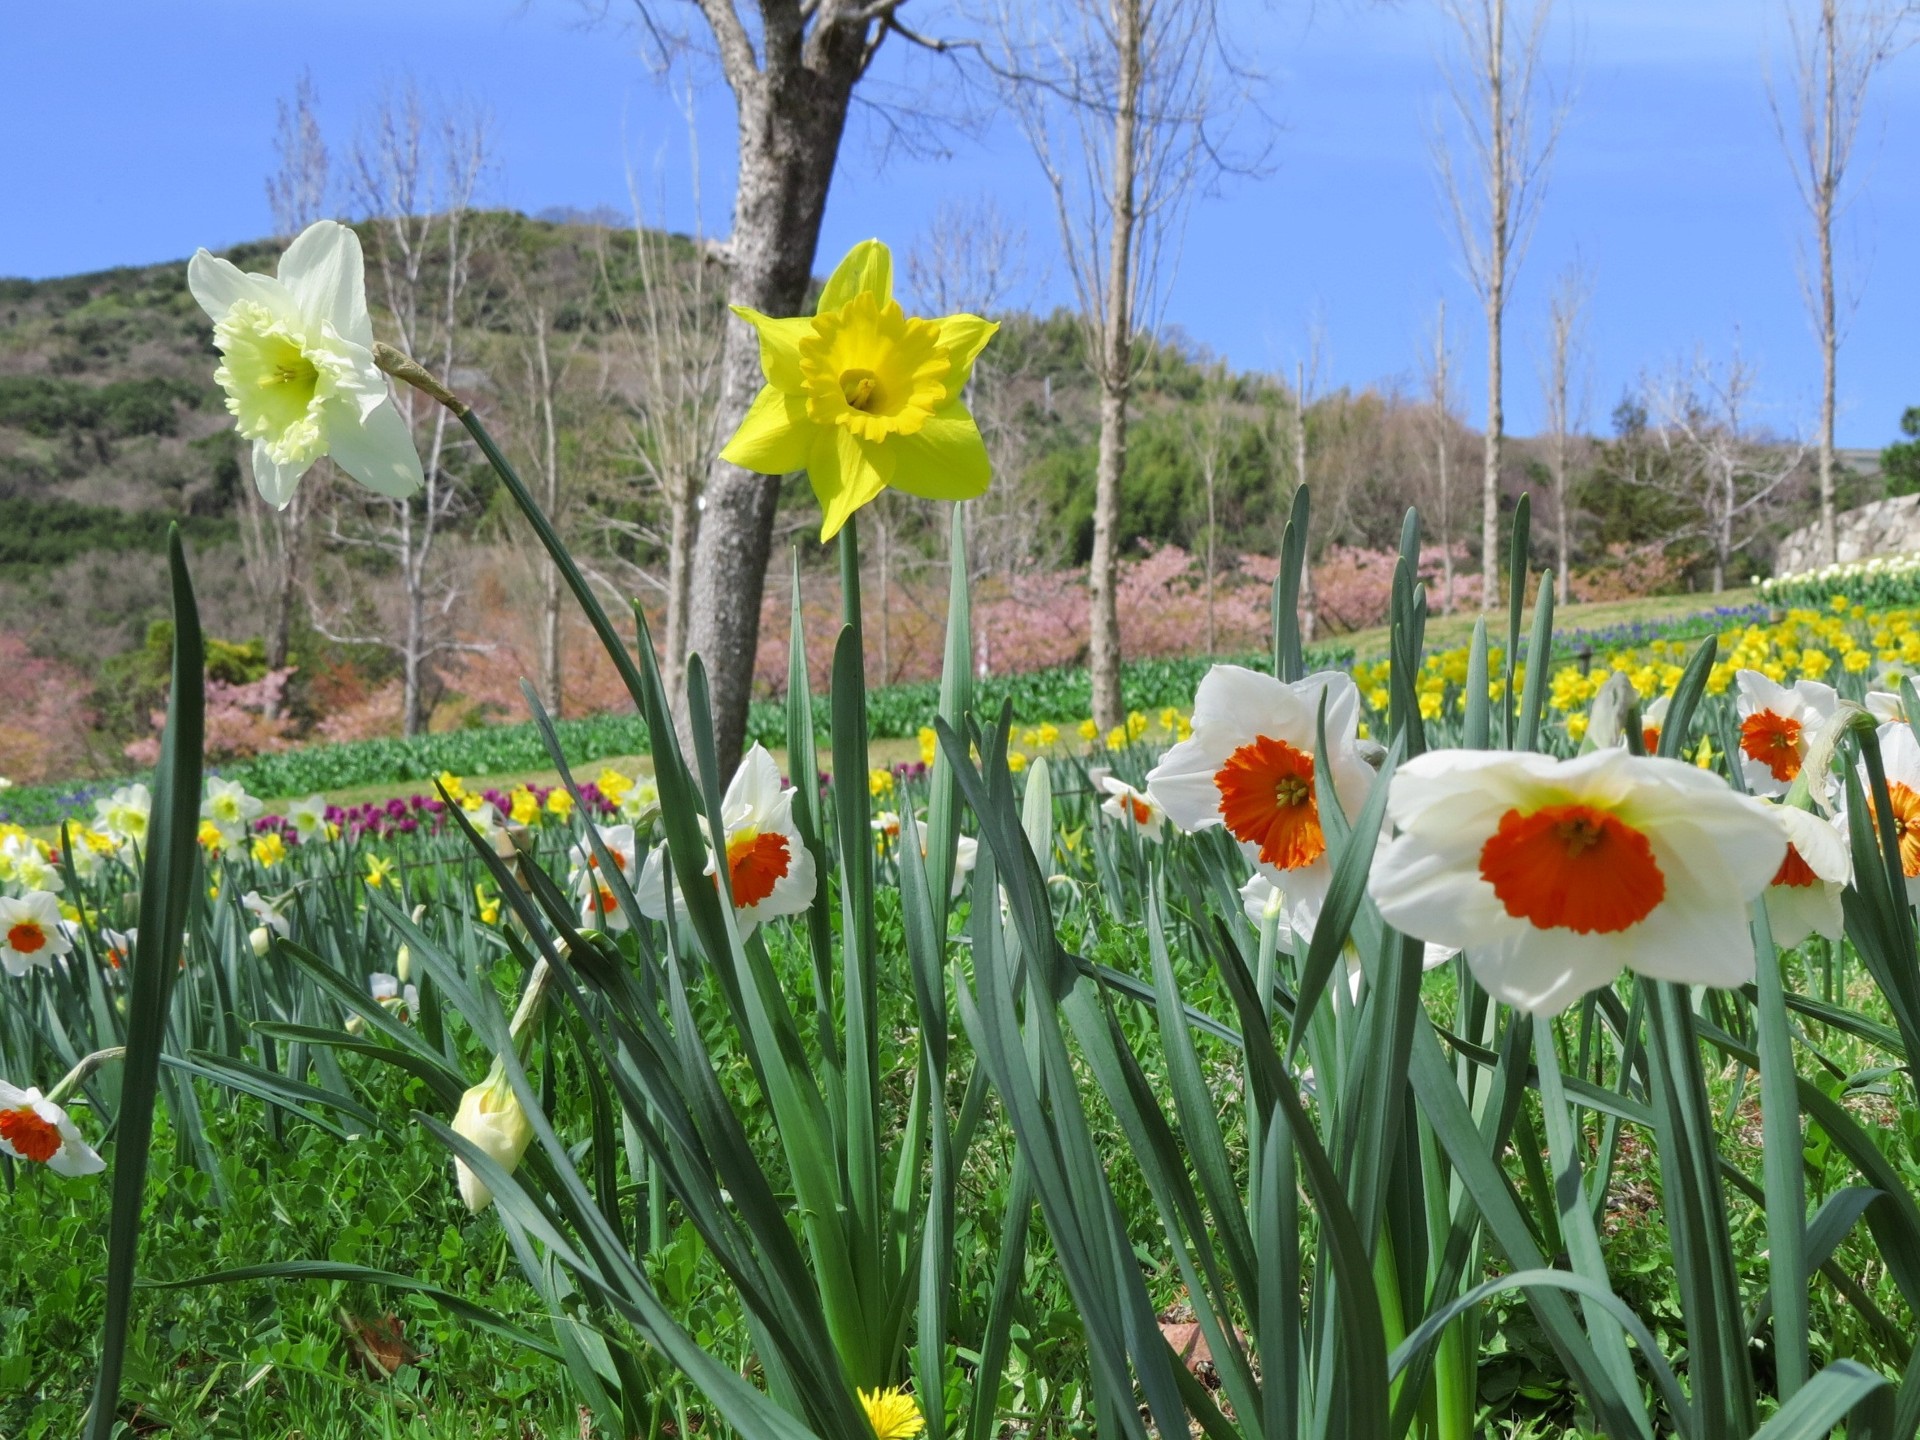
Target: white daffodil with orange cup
{"points": [[1134, 809], [30, 932], [1900, 757], [1249, 765], [1555, 875], [1777, 726], [599, 905], [1803, 898], [769, 869], [35, 1129]]}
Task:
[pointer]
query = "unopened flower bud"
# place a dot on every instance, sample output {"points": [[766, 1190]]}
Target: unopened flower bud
{"points": [[490, 1117], [261, 940]]}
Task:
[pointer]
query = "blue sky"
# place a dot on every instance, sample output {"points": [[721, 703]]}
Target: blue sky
{"points": [[141, 130]]}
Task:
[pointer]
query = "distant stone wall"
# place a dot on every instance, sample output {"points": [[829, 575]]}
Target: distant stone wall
{"points": [[1886, 527]]}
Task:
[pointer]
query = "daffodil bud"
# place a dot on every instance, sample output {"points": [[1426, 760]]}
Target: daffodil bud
{"points": [[261, 940], [490, 1117]]}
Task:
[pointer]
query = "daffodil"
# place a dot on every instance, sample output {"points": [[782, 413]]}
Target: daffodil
{"points": [[769, 868], [1777, 725], [229, 808], [861, 395], [1554, 875], [297, 365], [1803, 897], [1135, 809], [123, 814], [309, 818], [379, 870], [1250, 767], [34, 1129], [30, 932], [599, 902], [491, 1117]]}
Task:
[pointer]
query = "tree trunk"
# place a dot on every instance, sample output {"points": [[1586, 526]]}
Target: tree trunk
{"points": [[1829, 336], [1116, 372], [287, 528], [1210, 561], [791, 119], [411, 721], [1560, 500], [682, 519], [550, 656], [1496, 296]]}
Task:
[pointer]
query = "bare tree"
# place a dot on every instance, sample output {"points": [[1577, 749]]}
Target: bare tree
{"points": [[1835, 55], [1445, 436], [1208, 438], [674, 327], [542, 392], [1563, 387], [1122, 102], [1723, 469], [793, 73], [1497, 86], [415, 176], [297, 196]]}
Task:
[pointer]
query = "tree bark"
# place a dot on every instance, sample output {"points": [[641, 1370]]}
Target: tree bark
{"points": [[1829, 335], [1498, 234], [791, 118], [1116, 373]]}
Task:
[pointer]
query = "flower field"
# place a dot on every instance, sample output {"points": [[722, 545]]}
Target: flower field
{"points": [[1440, 1044]]}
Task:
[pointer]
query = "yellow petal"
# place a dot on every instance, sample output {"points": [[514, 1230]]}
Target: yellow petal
{"points": [[869, 267], [779, 345], [944, 460], [775, 437], [964, 336], [846, 473]]}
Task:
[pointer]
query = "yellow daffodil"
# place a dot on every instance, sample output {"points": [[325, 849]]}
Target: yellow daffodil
{"points": [[524, 808], [489, 905], [929, 744], [861, 395], [379, 870], [296, 361], [879, 782], [559, 802], [269, 849], [1089, 729], [1016, 761]]}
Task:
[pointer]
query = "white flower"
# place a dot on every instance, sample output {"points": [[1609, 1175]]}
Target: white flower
{"points": [[1133, 808], [1653, 720], [486, 821], [309, 818], [1249, 765], [1262, 900], [34, 1128], [1553, 875], [490, 1116], [966, 850], [30, 932], [1886, 707], [1804, 896], [272, 914], [394, 994], [599, 902], [25, 864], [1900, 755], [124, 814], [886, 828], [297, 366], [769, 869], [230, 808], [1777, 726]]}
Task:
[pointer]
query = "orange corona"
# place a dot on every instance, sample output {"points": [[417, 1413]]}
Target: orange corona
{"points": [[26, 937], [1267, 799], [755, 864], [1773, 740], [1572, 867], [31, 1136]]}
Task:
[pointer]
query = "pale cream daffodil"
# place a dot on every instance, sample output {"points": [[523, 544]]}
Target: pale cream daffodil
{"points": [[297, 366]]}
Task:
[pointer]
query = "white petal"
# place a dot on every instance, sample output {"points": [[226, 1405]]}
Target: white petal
{"points": [[1544, 971], [651, 893], [754, 791], [324, 272], [1796, 911], [274, 480], [218, 285], [377, 451]]}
